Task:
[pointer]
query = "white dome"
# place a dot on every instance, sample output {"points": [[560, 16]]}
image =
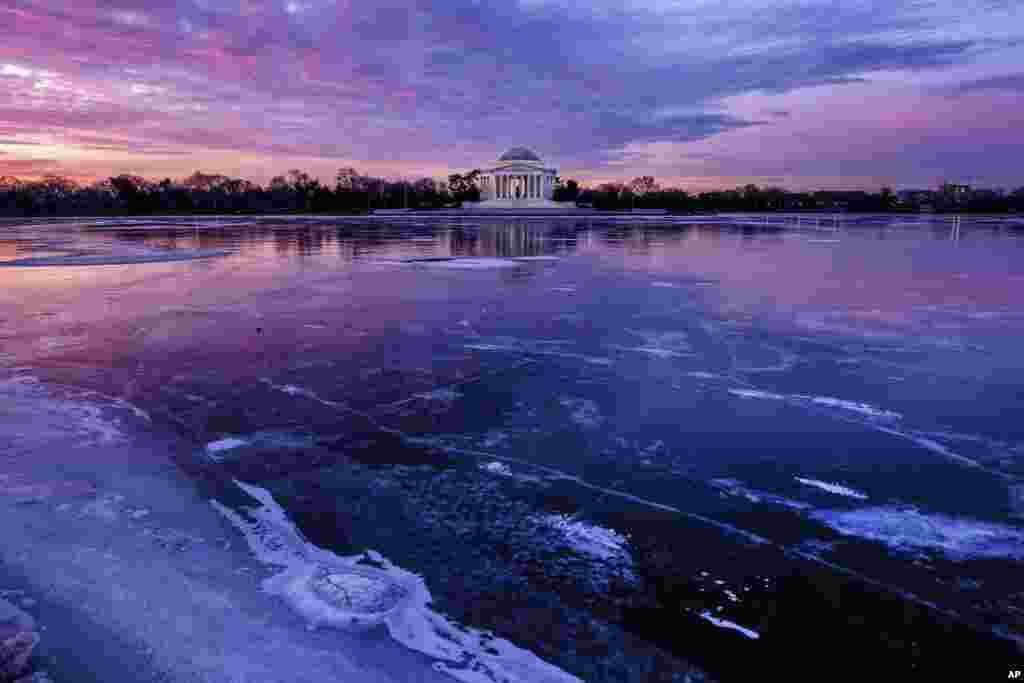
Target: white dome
{"points": [[519, 154]]}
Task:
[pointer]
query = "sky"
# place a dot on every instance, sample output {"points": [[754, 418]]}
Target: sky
{"points": [[702, 94]]}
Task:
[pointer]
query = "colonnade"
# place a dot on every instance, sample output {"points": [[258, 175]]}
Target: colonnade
{"points": [[531, 185]]}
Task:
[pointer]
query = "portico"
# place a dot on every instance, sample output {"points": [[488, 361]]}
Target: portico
{"points": [[520, 176]]}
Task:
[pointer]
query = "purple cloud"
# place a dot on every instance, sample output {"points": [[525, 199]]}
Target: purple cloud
{"points": [[435, 84]]}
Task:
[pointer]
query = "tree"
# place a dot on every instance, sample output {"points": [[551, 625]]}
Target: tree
{"points": [[567, 192], [886, 198], [348, 179], [465, 188], [643, 185], [130, 191]]}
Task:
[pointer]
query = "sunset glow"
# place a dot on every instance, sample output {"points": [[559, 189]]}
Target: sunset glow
{"points": [[704, 94]]}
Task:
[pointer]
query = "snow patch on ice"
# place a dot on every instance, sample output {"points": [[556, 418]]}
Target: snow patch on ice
{"points": [[494, 438], [663, 344], [700, 374], [665, 285], [65, 409], [444, 394], [864, 409], [589, 539], [496, 467], [476, 263], [725, 623], [361, 591], [737, 488], [528, 348], [854, 406], [907, 529], [833, 487], [225, 444]]}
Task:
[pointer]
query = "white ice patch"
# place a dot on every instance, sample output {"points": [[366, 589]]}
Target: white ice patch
{"points": [[725, 623], [738, 488], [470, 263], [444, 394], [908, 529], [589, 539], [345, 592], [665, 285], [492, 439], [833, 487], [700, 374], [869, 416], [65, 410], [115, 259], [495, 467], [527, 348], [865, 409], [661, 344], [853, 406], [224, 444], [214, 449]]}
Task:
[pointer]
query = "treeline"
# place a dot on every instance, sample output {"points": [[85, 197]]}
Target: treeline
{"points": [[294, 192], [645, 193], [297, 192]]}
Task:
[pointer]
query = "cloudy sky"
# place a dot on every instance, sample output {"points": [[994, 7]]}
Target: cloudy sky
{"points": [[705, 93]]}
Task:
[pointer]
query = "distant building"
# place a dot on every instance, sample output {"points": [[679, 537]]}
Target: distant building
{"points": [[956, 191], [520, 176]]}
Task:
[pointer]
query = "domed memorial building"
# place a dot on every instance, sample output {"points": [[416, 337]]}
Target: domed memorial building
{"points": [[520, 178]]}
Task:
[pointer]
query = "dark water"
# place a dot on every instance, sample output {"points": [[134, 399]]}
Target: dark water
{"points": [[639, 448]]}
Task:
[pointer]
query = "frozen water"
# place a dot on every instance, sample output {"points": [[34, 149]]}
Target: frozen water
{"points": [[565, 401]]}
